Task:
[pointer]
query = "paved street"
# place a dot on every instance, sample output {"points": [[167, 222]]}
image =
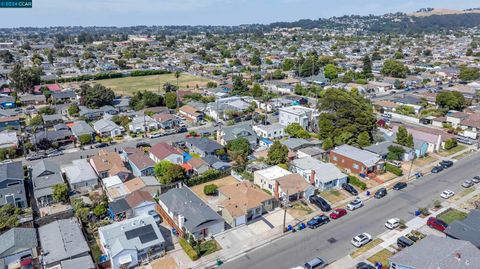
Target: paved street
{"points": [[295, 249]]}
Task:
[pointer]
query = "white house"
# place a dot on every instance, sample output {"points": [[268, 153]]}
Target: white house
{"points": [[322, 175], [163, 151], [106, 128], [273, 131], [141, 202], [265, 178], [143, 124], [306, 117], [81, 176]]}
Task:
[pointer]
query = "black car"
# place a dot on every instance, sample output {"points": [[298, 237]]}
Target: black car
{"points": [[380, 193], [349, 188], [363, 265], [399, 186], [101, 145], [403, 242], [318, 221], [143, 145], [320, 203], [437, 169], [446, 164]]}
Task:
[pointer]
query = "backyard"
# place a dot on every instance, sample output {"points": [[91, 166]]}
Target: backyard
{"points": [[128, 85], [452, 215]]}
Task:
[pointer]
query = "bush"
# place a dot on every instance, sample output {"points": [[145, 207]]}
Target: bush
{"points": [[357, 182], [450, 143], [210, 189], [393, 169], [205, 177], [188, 249]]}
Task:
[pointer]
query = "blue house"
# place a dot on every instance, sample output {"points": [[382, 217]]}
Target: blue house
{"points": [[9, 122], [420, 147]]}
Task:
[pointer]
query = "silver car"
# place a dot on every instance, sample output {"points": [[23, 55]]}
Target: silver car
{"points": [[467, 184]]}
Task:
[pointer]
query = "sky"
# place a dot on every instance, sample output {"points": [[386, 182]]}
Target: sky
{"points": [[203, 12]]}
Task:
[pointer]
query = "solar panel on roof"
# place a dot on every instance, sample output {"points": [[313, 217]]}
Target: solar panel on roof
{"points": [[144, 233]]}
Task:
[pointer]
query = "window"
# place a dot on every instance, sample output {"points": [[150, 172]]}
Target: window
{"points": [[270, 186], [355, 166], [334, 158]]}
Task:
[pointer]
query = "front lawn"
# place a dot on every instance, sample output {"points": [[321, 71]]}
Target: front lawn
{"points": [[333, 196], [208, 247], [366, 247], [382, 257], [451, 215], [458, 148]]}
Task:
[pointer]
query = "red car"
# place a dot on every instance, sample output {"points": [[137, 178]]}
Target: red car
{"points": [[338, 213], [437, 224]]}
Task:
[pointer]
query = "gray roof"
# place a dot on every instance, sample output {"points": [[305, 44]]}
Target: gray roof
{"points": [[64, 94], [204, 144], [84, 262], [150, 181], [366, 157], [434, 252], [324, 172], [183, 201], [137, 233], [382, 148], [119, 206], [17, 240], [298, 143], [81, 127], [240, 131], [13, 170], [312, 151], [53, 117], [45, 174], [61, 240], [467, 229], [105, 125], [52, 135], [80, 171]]}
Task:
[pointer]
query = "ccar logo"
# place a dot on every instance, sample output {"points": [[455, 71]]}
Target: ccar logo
{"points": [[15, 4]]}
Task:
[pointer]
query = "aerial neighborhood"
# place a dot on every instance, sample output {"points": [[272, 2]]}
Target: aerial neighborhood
{"points": [[205, 147]]}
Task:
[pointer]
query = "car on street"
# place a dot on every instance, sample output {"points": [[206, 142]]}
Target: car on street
{"points": [[446, 164], [476, 179], [156, 135], [338, 213], [392, 223], [320, 203], [55, 153], [361, 239], [101, 145], [399, 186], [315, 263], [317, 221], [437, 169], [380, 193], [447, 194], [437, 224], [33, 157], [467, 184], [355, 204], [350, 189], [143, 145], [364, 265]]}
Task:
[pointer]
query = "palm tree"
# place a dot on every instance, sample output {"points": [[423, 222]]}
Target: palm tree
{"points": [[177, 75]]}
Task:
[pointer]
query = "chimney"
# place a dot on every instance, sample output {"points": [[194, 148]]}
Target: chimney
{"points": [[181, 221], [275, 191], [312, 177]]}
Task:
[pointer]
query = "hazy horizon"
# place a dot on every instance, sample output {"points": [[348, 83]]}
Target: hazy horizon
{"points": [[47, 13]]}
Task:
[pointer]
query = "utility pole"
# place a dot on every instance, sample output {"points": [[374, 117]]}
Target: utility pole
{"points": [[285, 204]]}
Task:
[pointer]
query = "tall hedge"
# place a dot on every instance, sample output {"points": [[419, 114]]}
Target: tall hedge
{"points": [[357, 182], [188, 249], [393, 169]]}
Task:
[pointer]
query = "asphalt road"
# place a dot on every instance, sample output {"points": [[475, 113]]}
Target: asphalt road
{"points": [[297, 248]]}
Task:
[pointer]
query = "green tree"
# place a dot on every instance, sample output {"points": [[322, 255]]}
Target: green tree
{"points": [[60, 192], [395, 153], [257, 90], [394, 69], [288, 64], [402, 136], [328, 144], [239, 146], [210, 189], [255, 60], [96, 96], [9, 217], [239, 85], [367, 65], [168, 172], [450, 143], [296, 131], [469, 73], [330, 71], [85, 139], [82, 214], [24, 78], [410, 143], [171, 100], [122, 120], [277, 153], [363, 139], [36, 121], [6, 56], [450, 100], [100, 210], [73, 110]]}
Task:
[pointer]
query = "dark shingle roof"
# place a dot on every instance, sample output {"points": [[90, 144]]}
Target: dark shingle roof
{"points": [[204, 144], [467, 229], [13, 170], [17, 240]]}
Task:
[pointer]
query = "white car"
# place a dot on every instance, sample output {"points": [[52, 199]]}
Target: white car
{"points": [[392, 223], [361, 240], [357, 203], [447, 194]]}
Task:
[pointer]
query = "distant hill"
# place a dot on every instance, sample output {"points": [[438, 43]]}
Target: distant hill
{"points": [[442, 11]]}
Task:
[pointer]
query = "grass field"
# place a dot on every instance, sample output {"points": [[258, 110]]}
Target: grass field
{"points": [[445, 153], [452, 215], [128, 85], [382, 257]]}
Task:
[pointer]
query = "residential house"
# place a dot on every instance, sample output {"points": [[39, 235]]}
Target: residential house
{"points": [[119, 209], [188, 214], [191, 113], [80, 128], [122, 104], [134, 184], [313, 152], [151, 185], [84, 262], [45, 174], [139, 161], [281, 87], [467, 229], [382, 149], [384, 106], [8, 140], [65, 96], [143, 123], [163, 151], [433, 252], [356, 160], [114, 188], [60, 136], [230, 133], [198, 165], [81, 176], [107, 164], [107, 128], [306, 117], [141, 202], [33, 99], [18, 248], [202, 146], [265, 178], [293, 186], [62, 240], [243, 202], [216, 163], [272, 131], [435, 138], [324, 176], [410, 101], [131, 242], [51, 120], [50, 87], [12, 185], [378, 87], [9, 123], [294, 144], [96, 113], [166, 121]]}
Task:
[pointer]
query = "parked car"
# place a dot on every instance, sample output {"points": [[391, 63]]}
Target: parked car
{"points": [[392, 223], [447, 194], [320, 203], [143, 145], [338, 213], [399, 186], [437, 169], [317, 221], [403, 242], [361, 239], [316, 263], [55, 153], [476, 179], [437, 224], [395, 163], [382, 192], [101, 145], [364, 265], [467, 184], [155, 135], [446, 164], [350, 189], [33, 157], [355, 204]]}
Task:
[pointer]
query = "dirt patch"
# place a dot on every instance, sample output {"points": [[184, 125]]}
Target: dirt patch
{"points": [[224, 181], [299, 210], [164, 263], [334, 196], [470, 204], [386, 176], [424, 161]]}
